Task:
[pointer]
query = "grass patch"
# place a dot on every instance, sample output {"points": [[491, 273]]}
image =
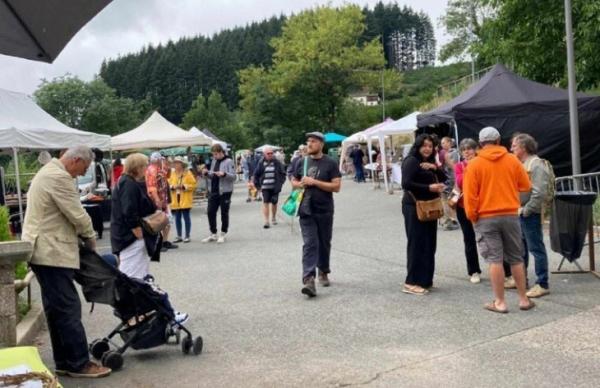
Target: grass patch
{"points": [[22, 308]]}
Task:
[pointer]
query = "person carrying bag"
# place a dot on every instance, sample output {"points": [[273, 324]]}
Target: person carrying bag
{"points": [[421, 207], [292, 203]]}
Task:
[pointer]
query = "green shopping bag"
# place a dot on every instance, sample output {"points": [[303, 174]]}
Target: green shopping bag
{"points": [[292, 203]]}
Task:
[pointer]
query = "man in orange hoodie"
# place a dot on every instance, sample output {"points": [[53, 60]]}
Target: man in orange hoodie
{"points": [[491, 195]]}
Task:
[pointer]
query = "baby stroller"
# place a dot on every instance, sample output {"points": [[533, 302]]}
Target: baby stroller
{"points": [[147, 320]]}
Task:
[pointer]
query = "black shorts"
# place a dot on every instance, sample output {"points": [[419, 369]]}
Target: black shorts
{"points": [[270, 196]]}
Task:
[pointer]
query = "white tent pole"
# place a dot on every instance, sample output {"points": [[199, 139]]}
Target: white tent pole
{"points": [[383, 161], [369, 149], [18, 181], [342, 157], [455, 132]]}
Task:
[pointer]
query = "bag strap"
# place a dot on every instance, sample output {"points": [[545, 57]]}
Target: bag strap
{"points": [[305, 166]]}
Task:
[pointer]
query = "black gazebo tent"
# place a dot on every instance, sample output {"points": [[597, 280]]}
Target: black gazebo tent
{"points": [[511, 104]]}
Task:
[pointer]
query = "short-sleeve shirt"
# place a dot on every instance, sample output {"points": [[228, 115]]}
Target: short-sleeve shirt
{"points": [[156, 180], [316, 200]]}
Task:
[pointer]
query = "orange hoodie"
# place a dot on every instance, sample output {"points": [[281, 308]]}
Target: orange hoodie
{"points": [[492, 184]]}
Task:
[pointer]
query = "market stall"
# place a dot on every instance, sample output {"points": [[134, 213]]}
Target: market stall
{"points": [[407, 125], [26, 126], [157, 132], [512, 104]]}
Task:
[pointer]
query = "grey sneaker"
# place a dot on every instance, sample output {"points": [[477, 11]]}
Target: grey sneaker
{"points": [[309, 288], [324, 279], [221, 238]]}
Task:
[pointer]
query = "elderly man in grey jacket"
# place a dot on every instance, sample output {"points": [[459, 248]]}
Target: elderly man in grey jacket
{"points": [[54, 222], [525, 148]]}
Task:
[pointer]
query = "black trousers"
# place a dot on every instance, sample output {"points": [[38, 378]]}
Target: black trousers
{"points": [[63, 315], [469, 240], [317, 231], [421, 246], [216, 201]]}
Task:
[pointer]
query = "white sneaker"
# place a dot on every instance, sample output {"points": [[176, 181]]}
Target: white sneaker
{"points": [[211, 238], [181, 317], [221, 238], [475, 278]]}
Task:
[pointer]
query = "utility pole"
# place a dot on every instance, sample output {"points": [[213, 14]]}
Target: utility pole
{"points": [[382, 96], [573, 114]]}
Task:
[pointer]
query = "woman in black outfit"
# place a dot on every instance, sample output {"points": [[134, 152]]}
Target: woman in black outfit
{"points": [[421, 178], [130, 203]]}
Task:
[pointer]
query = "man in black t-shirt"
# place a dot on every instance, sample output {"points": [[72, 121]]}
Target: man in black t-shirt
{"points": [[321, 180]]}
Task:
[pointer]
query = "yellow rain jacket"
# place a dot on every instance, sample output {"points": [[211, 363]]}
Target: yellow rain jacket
{"points": [[181, 198]]}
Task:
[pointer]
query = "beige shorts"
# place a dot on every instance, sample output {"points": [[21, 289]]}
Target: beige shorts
{"points": [[499, 239]]}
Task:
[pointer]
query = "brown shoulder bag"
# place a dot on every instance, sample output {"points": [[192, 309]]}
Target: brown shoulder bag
{"points": [[429, 210]]}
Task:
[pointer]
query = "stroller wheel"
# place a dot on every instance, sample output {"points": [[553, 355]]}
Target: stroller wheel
{"points": [[98, 347], [198, 344], [113, 360], [172, 332], [186, 344]]}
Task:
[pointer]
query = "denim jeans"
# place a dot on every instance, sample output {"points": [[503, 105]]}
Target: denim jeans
{"points": [[360, 173], [533, 237], [186, 218]]}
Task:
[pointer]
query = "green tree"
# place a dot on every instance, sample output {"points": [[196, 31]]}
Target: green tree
{"points": [[314, 68], [212, 113], [91, 106], [463, 21], [530, 36]]}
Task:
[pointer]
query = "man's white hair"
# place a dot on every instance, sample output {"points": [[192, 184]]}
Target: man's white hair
{"points": [[80, 152], [266, 149]]}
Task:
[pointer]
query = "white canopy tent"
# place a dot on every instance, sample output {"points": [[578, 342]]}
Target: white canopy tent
{"points": [[356, 138], [157, 132], [214, 138], [196, 132], [24, 125], [405, 125]]}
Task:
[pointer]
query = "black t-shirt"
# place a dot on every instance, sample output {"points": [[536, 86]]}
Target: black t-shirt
{"points": [[214, 181], [316, 200]]}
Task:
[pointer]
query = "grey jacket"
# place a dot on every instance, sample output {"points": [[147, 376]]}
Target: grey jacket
{"points": [[226, 181], [533, 201]]}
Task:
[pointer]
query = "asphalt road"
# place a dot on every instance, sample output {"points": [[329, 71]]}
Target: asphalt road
{"points": [[260, 331]]}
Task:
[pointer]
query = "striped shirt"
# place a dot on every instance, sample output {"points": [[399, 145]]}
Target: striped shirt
{"points": [[268, 182]]}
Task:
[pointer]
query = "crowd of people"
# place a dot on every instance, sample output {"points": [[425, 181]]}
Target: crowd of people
{"points": [[499, 199], [496, 197]]}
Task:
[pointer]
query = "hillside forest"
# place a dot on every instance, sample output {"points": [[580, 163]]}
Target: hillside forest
{"points": [[273, 80]]}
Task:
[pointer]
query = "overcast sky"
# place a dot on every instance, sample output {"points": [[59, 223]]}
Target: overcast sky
{"points": [[127, 25]]}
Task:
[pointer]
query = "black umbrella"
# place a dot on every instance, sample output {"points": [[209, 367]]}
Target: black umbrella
{"points": [[40, 29]]}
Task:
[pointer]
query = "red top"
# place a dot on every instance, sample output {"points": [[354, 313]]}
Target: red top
{"points": [[116, 174]]}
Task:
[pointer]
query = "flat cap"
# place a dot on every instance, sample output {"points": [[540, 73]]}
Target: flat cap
{"points": [[316, 135]]}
